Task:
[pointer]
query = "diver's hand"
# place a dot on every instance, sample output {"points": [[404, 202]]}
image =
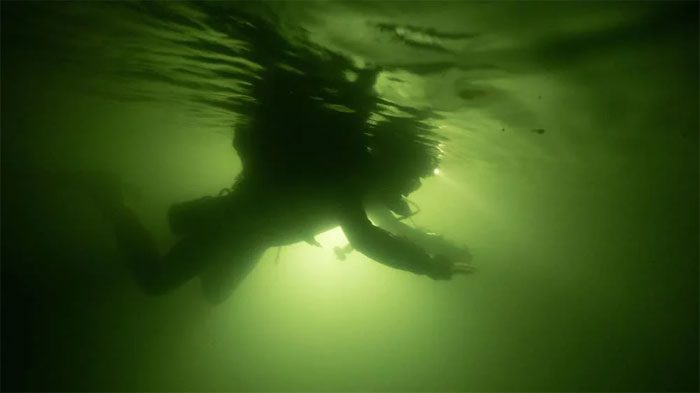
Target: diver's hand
{"points": [[437, 244], [444, 268]]}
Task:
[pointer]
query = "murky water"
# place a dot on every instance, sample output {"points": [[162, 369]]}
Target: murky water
{"points": [[570, 171]]}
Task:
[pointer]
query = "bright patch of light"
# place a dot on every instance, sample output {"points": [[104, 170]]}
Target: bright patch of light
{"points": [[332, 238], [350, 76], [436, 171], [316, 277], [401, 87]]}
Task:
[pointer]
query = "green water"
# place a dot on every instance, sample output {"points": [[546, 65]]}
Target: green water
{"points": [[570, 171]]}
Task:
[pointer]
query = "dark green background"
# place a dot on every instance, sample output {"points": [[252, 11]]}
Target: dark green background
{"points": [[585, 235]]}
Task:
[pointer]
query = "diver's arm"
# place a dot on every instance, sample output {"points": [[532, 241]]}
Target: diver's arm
{"points": [[389, 249], [431, 242]]}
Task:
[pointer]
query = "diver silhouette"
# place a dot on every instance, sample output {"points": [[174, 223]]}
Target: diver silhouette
{"points": [[313, 159]]}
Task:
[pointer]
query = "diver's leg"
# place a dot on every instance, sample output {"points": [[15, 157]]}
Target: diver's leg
{"points": [[153, 272], [224, 275]]}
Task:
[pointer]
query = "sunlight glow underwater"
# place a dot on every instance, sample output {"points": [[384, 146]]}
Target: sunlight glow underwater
{"points": [[585, 235]]}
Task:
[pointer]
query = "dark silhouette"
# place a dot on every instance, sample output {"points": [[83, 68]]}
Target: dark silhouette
{"points": [[312, 160]]}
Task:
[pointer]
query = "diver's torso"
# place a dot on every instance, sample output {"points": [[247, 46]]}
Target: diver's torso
{"points": [[289, 213]]}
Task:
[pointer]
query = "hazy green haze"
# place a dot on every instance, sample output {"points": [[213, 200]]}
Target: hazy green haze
{"points": [[570, 171]]}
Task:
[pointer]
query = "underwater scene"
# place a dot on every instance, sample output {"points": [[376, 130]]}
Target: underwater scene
{"points": [[349, 196]]}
